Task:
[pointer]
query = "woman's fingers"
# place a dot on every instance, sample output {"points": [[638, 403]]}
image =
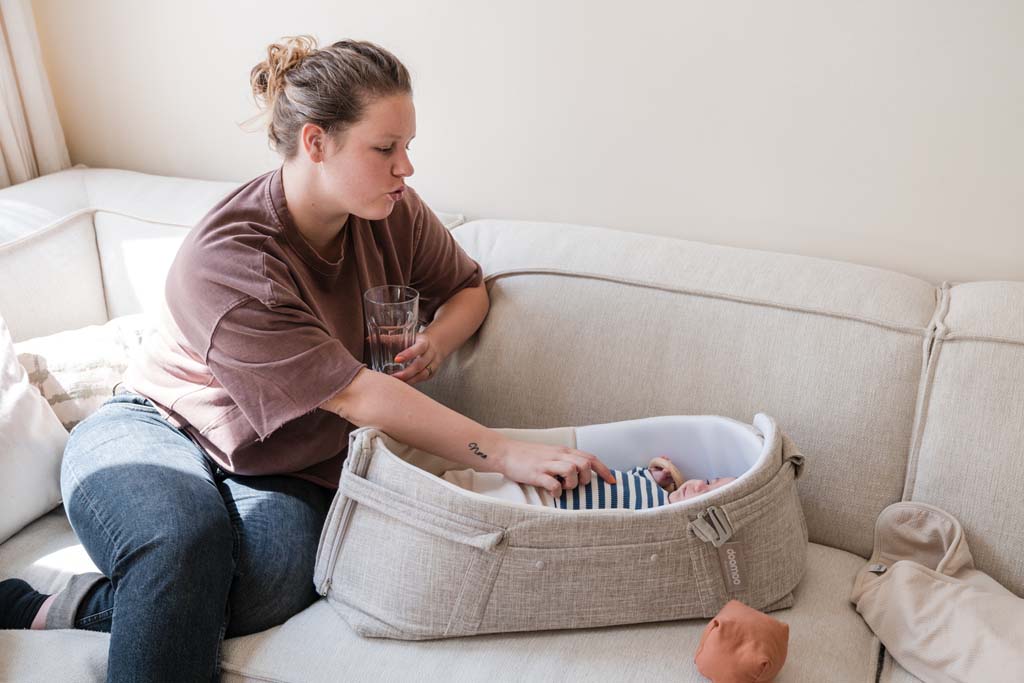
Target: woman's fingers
{"points": [[417, 349], [419, 354], [603, 470], [550, 484], [412, 371], [583, 464], [565, 470]]}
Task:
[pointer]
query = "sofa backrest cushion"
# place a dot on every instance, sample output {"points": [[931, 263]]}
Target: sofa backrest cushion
{"points": [[136, 255], [50, 279], [590, 325], [140, 221], [31, 206], [970, 458]]}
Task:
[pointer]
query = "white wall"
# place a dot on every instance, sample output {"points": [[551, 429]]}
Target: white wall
{"points": [[887, 133]]}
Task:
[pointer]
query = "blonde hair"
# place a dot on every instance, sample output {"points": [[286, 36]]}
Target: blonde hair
{"points": [[299, 83]]}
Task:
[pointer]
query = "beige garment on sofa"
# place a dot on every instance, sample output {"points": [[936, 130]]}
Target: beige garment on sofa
{"points": [[938, 616], [497, 485]]}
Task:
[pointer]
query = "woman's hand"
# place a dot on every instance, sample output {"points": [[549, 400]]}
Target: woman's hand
{"points": [[426, 359], [553, 468]]}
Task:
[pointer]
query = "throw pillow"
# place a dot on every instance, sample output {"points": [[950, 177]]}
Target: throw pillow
{"points": [[76, 370], [31, 445]]}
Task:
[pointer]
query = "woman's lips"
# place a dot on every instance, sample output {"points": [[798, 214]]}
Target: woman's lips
{"points": [[395, 196]]}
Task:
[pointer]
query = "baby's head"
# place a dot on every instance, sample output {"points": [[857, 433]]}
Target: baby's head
{"points": [[671, 479], [695, 487]]}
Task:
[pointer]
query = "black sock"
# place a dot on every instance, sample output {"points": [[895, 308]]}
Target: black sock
{"points": [[19, 604]]}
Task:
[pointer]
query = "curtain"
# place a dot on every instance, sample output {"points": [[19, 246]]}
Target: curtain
{"points": [[31, 139]]}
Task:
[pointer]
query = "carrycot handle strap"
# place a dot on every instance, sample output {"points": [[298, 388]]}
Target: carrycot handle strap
{"points": [[712, 526], [420, 515], [792, 455], [796, 461]]}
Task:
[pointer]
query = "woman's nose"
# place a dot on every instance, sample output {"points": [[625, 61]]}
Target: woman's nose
{"points": [[403, 167]]}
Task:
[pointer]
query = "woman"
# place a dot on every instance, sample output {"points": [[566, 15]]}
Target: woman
{"points": [[200, 489]]}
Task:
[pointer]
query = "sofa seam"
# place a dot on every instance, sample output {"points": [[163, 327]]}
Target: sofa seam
{"points": [[907, 329], [930, 360], [45, 231], [99, 266], [238, 670], [954, 337]]}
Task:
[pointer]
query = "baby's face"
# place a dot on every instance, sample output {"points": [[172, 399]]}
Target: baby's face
{"points": [[695, 487]]}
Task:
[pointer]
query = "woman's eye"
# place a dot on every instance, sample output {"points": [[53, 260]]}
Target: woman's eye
{"points": [[389, 150]]}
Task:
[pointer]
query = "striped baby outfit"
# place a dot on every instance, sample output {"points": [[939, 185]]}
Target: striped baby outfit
{"points": [[634, 489]]}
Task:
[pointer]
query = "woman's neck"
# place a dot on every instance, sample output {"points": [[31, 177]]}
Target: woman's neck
{"points": [[317, 225]]}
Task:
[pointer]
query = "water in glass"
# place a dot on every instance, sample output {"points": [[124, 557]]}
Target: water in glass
{"points": [[392, 320]]}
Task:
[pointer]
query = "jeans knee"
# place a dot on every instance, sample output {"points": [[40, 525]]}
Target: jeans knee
{"points": [[208, 544]]}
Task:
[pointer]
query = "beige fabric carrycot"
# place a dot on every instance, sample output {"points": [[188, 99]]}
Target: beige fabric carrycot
{"points": [[405, 554]]}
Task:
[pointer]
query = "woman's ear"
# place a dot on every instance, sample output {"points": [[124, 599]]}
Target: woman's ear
{"points": [[313, 139]]}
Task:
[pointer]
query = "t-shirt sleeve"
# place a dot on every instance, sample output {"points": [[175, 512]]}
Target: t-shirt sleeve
{"points": [[440, 267], [278, 362]]}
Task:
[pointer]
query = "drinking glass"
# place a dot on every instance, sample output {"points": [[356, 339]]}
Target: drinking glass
{"points": [[392, 319]]}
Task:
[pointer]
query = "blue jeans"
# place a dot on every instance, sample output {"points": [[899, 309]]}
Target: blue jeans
{"points": [[190, 553]]}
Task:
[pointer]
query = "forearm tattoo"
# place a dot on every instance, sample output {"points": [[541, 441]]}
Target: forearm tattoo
{"points": [[476, 449]]}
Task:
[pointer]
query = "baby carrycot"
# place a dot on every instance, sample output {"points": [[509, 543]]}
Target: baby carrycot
{"points": [[405, 554]]}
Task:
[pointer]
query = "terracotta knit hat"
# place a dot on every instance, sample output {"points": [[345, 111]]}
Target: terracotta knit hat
{"points": [[742, 645]]}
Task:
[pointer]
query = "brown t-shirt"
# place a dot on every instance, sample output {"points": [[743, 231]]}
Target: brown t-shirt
{"points": [[259, 329]]}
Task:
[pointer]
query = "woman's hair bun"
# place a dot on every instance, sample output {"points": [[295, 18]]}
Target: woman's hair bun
{"points": [[329, 87], [267, 77]]}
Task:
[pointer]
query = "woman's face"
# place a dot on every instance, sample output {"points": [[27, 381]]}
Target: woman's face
{"points": [[365, 167]]}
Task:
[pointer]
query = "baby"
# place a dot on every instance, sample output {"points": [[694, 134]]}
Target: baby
{"points": [[660, 483]]}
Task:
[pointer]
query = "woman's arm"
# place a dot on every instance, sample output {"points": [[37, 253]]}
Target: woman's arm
{"points": [[404, 413], [454, 322], [458, 318]]}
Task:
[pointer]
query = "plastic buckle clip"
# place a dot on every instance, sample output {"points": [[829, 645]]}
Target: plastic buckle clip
{"points": [[712, 526]]}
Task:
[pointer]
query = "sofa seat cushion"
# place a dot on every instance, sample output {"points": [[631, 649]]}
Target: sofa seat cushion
{"points": [[46, 553], [46, 656], [892, 672], [828, 640]]}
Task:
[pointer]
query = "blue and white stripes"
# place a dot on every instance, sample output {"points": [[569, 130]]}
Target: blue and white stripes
{"points": [[634, 489]]}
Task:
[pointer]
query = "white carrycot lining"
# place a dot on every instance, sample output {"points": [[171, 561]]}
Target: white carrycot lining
{"points": [[702, 446]]}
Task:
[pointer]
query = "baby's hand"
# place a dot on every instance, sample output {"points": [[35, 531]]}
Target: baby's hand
{"points": [[665, 473]]}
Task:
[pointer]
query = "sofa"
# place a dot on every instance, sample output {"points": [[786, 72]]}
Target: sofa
{"points": [[893, 387]]}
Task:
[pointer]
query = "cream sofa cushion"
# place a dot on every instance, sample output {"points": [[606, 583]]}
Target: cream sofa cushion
{"points": [[31, 206], [589, 325], [140, 221], [132, 252], [828, 639], [31, 446], [970, 459], [57, 275], [828, 642], [76, 370]]}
